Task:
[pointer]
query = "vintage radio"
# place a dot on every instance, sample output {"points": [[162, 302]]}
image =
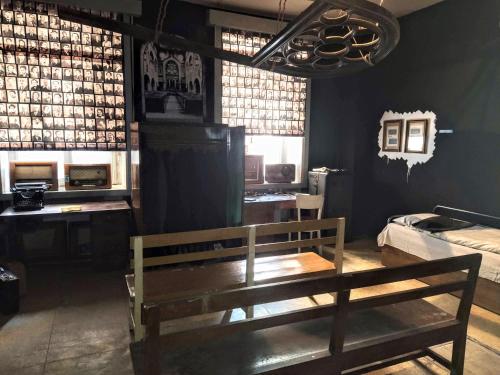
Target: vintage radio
{"points": [[36, 171], [254, 169], [87, 176], [280, 173]]}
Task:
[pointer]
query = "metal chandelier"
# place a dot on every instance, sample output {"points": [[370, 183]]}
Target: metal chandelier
{"points": [[328, 39]]}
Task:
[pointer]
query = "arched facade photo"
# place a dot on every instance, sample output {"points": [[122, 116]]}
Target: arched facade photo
{"points": [[172, 83]]}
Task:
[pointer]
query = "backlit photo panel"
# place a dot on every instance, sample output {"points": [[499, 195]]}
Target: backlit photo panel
{"points": [[57, 78]]}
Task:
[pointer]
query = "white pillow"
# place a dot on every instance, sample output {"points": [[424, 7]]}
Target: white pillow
{"points": [[409, 220]]}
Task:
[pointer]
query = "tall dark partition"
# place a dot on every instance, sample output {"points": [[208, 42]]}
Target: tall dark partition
{"points": [[189, 177]]}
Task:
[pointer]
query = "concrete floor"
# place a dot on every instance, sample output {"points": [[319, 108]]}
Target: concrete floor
{"points": [[75, 321]]}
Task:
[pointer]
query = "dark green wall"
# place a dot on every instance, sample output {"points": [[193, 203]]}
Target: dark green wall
{"points": [[448, 61]]}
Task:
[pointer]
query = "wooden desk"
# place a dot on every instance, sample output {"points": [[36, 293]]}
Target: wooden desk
{"points": [[98, 230], [266, 208], [57, 209]]}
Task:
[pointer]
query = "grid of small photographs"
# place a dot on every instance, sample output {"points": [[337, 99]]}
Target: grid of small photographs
{"points": [[266, 103], [61, 83]]}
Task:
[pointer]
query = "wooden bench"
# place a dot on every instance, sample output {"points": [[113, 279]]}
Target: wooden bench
{"points": [[163, 284], [348, 337]]}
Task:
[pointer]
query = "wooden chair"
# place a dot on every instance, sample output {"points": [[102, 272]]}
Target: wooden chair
{"points": [[164, 284], [346, 337], [311, 203]]}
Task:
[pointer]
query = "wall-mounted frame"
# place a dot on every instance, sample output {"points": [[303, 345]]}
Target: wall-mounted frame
{"points": [[173, 84], [392, 135], [416, 136], [36, 171]]}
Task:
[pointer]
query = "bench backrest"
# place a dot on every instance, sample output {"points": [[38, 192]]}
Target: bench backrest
{"points": [[247, 233], [249, 248], [154, 313]]}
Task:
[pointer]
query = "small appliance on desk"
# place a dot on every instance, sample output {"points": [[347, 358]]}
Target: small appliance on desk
{"points": [[29, 196], [85, 177], [280, 173]]}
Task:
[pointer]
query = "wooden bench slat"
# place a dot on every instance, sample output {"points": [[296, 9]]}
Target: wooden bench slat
{"points": [[406, 295], [174, 283], [216, 331], [183, 238], [250, 296], [384, 275], [193, 257], [295, 226], [285, 245]]}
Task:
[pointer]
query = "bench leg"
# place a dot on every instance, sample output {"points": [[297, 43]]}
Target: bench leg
{"points": [[249, 313], [138, 327], [152, 343], [458, 355]]}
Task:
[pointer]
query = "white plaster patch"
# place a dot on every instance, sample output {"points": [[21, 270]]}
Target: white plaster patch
{"points": [[410, 158]]}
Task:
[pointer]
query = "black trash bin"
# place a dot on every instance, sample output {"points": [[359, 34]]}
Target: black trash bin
{"points": [[9, 292]]}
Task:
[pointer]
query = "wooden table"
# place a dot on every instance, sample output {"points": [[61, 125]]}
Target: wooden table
{"points": [[60, 232], [266, 208]]}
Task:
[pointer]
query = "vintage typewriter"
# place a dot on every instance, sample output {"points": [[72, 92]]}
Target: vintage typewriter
{"points": [[29, 196]]}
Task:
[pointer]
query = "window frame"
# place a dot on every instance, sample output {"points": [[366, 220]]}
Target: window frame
{"points": [[122, 192], [250, 23]]}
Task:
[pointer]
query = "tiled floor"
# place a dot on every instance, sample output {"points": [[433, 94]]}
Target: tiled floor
{"points": [[74, 321]]}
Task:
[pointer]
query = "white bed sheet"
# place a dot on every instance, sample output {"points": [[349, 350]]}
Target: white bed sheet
{"points": [[426, 247]]}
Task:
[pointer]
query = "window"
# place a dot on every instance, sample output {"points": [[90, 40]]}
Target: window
{"points": [[61, 82], [271, 106]]}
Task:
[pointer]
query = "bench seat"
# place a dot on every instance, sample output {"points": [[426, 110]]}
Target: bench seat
{"points": [[253, 352], [176, 283]]}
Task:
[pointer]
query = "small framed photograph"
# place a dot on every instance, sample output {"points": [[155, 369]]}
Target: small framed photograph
{"points": [[392, 135], [416, 136]]}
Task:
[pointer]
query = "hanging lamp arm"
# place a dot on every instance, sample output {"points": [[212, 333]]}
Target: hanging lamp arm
{"points": [[146, 34]]}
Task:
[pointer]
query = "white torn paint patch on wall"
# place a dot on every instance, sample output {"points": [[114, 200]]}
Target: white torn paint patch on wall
{"points": [[410, 158]]}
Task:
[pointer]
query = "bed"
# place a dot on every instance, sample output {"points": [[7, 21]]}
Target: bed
{"points": [[402, 243]]}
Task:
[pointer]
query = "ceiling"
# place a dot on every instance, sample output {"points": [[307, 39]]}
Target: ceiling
{"points": [[294, 7]]}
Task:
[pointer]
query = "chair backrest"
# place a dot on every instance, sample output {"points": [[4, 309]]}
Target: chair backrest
{"points": [[309, 202], [154, 313]]}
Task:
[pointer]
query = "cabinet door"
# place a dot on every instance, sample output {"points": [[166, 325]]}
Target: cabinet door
{"points": [[110, 240]]}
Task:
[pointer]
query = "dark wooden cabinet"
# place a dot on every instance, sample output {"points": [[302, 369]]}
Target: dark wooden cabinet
{"points": [[98, 231], [110, 239], [187, 176]]}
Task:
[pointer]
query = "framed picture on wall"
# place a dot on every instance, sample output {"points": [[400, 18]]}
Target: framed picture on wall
{"points": [[392, 135], [173, 84], [416, 136]]}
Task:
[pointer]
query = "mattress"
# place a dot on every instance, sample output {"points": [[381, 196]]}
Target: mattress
{"points": [[425, 246]]}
